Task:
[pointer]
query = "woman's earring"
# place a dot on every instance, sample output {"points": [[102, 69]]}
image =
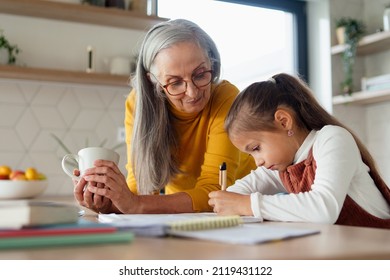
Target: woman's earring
{"points": [[290, 133]]}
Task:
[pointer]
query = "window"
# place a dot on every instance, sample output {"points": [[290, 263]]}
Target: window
{"points": [[256, 39]]}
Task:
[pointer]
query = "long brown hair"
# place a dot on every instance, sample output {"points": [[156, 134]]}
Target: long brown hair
{"points": [[255, 106]]}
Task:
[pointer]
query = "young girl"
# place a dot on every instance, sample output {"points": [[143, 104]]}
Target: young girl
{"points": [[311, 168]]}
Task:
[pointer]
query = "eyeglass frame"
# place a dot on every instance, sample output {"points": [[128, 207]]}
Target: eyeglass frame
{"points": [[165, 87]]}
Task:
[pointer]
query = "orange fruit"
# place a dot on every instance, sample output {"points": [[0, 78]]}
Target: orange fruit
{"points": [[31, 173], [5, 171]]}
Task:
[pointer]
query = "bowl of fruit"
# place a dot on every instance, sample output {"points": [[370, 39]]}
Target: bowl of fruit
{"points": [[20, 184]]}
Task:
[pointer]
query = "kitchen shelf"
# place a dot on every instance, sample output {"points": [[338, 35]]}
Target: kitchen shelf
{"points": [[363, 97], [63, 76], [89, 14], [369, 44]]}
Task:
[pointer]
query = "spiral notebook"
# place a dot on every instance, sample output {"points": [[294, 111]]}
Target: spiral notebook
{"points": [[165, 224], [205, 226]]}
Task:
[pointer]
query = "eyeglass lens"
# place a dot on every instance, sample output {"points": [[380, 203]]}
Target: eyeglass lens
{"points": [[199, 80]]}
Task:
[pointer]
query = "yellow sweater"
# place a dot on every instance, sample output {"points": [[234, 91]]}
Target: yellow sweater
{"points": [[203, 146]]}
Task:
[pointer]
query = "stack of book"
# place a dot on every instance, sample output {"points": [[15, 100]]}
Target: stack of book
{"points": [[28, 223], [381, 82]]}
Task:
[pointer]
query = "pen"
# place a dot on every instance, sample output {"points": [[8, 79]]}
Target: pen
{"points": [[222, 176]]}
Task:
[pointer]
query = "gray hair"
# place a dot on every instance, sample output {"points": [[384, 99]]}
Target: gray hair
{"points": [[154, 144]]}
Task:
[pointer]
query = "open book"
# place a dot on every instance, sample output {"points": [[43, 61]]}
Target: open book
{"points": [[205, 226]]}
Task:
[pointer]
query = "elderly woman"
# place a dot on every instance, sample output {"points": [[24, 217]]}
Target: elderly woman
{"points": [[174, 130]]}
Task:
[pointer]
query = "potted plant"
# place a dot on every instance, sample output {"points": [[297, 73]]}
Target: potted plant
{"points": [[68, 151], [340, 30], [11, 50], [353, 30]]}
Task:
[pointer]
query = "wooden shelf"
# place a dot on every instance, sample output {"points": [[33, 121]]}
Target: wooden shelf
{"points": [[63, 76], [369, 44], [112, 17], [363, 97]]}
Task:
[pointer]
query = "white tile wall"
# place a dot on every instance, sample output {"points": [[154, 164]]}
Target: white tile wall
{"points": [[31, 111], [378, 136], [371, 124]]}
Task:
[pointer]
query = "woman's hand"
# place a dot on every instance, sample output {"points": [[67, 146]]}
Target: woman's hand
{"points": [[229, 203], [110, 184], [85, 198]]}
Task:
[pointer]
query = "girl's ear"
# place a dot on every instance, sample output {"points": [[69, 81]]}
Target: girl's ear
{"points": [[283, 119]]}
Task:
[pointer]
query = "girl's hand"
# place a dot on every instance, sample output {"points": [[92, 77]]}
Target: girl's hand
{"points": [[110, 184], [229, 203]]}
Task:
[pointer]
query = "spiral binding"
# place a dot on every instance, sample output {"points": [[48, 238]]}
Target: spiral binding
{"points": [[206, 223]]}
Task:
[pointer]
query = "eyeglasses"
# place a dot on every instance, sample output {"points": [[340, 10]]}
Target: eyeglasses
{"points": [[180, 86]]}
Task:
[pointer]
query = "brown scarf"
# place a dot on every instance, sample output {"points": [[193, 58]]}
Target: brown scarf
{"points": [[300, 177]]}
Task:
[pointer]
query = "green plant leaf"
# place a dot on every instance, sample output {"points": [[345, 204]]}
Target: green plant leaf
{"points": [[66, 149], [12, 50], [117, 146], [354, 31], [59, 141], [103, 142]]}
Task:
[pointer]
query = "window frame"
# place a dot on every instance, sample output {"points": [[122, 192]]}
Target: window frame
{"points": [[298, 10]]}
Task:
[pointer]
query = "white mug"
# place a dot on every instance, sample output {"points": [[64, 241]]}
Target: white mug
{"points": [[86, 157]]}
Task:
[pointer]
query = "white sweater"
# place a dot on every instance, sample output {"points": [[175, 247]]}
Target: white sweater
{"points": [[340, 171]]}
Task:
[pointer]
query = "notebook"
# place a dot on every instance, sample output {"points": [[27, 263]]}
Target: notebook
{"points": [[205, 226], [162, 224], [81, 227], [80, 233], [65, 240], [247, 234]]}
